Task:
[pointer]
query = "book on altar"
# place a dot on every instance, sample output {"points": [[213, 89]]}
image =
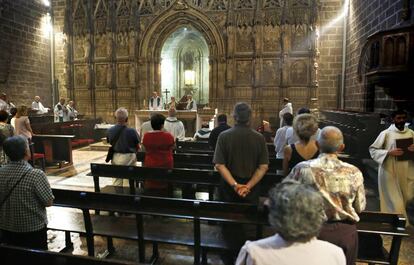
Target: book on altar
{"points": [[404, 144]]}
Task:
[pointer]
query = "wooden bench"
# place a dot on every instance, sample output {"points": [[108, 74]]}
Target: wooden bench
{"points": [[14, 255], [196, 232], [205, 161], [209, 178]]}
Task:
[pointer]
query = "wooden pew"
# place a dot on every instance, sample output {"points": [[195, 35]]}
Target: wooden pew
{"points": [[205, 161], [206, 177], [197, 232], [14, 255]]}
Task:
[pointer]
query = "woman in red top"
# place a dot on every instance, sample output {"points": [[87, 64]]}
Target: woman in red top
{"points": [[159, 150]]}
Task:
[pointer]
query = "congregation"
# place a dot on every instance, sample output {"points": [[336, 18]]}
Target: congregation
{"points": [[320, 197]]}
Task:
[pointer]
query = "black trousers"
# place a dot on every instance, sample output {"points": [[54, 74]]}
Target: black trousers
{"points": [[344, 235], [34, 240]]}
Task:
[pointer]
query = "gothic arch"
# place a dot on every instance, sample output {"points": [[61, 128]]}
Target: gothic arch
{"points": [[161, 28]]}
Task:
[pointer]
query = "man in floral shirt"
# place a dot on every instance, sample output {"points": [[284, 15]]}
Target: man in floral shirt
{"points": [[342, 187]]}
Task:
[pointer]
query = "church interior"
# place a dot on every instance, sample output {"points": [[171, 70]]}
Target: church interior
{"points": [[349, 62]]}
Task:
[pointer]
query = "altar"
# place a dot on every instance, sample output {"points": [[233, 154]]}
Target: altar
{"points": [[192, 119]]}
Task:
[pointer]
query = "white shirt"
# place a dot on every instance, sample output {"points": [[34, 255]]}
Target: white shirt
{"points": [[155, 103], [4, 105], [38, 106], [63, 112], [281, 140], [275, 250], [286, 109], [175, 127]]}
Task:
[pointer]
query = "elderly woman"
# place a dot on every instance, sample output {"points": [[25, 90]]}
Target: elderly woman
{"points": [[305, 126], [297, 213]]}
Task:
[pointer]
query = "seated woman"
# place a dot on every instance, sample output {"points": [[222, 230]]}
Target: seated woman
{"points": [[296, 211], [159, 152], [305, 125]]}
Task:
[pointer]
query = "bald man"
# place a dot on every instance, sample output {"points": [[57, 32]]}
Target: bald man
{"points": [[38, 106], [342, 186]]}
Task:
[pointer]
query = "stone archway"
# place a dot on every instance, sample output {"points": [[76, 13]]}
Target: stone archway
{"points": [[154, 37]]}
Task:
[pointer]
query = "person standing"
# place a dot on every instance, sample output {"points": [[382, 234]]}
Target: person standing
{"points": [[172, 103], [124, 141], [174, 126], [395, 175], [155, 102], [191, 103], [287, 108], [72, 112], [22, 124], [280, 139], [222, 126], [341, 185], [24, 193], [38, 106], [242, 159], [158, 152], [60, 110]]}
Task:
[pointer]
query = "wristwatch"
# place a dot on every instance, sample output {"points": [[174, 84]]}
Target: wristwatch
{"points": [[234, 185]]}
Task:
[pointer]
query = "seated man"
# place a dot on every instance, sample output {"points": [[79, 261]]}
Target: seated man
{"points": [[203, 134], [342, 186], [297, 213], [174, 126], [25, 193]]}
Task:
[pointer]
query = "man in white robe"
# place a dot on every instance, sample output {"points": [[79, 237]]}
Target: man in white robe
{"points": [[155, 102], [174, 126], [38, 106], [395, 177], [286, 109], [191, 103]]}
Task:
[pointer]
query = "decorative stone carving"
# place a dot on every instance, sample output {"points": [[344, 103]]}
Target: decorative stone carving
{"points": [[299, 73], [81, 76], [244, 39], [269, 72], [300, 40], [243, 72], [271, 38], [131, 75], [79, 48], [122, 44], [131, 43], [123, 75], [101, 75]]}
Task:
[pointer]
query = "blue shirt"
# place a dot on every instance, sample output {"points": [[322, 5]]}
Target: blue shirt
{"points": [[127, 141]]}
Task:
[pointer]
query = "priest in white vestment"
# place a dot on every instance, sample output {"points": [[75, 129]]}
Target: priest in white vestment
{"points": [[395, 177], [38, 106], [155, 102], [286, 109], [174, 126], [191, 103]]}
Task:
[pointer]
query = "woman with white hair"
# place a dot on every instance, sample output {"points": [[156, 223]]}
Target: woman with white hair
{"points": [[296, 211], [305, 126]]}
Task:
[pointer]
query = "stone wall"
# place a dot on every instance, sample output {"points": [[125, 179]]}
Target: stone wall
{"points": [[367, 17], [330, 59], [24, 52]]}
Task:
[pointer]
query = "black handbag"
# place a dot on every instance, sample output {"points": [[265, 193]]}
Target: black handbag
{"points": [[111, 150]]}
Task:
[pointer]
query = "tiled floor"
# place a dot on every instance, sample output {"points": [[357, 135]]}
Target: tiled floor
{"points": [[75, 177]]}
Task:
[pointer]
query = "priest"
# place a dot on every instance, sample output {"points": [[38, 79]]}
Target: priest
{"points": [[396, 167], [155, 102]]}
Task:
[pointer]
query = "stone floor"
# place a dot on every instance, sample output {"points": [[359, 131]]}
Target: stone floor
{"points": [[74, 177]]}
